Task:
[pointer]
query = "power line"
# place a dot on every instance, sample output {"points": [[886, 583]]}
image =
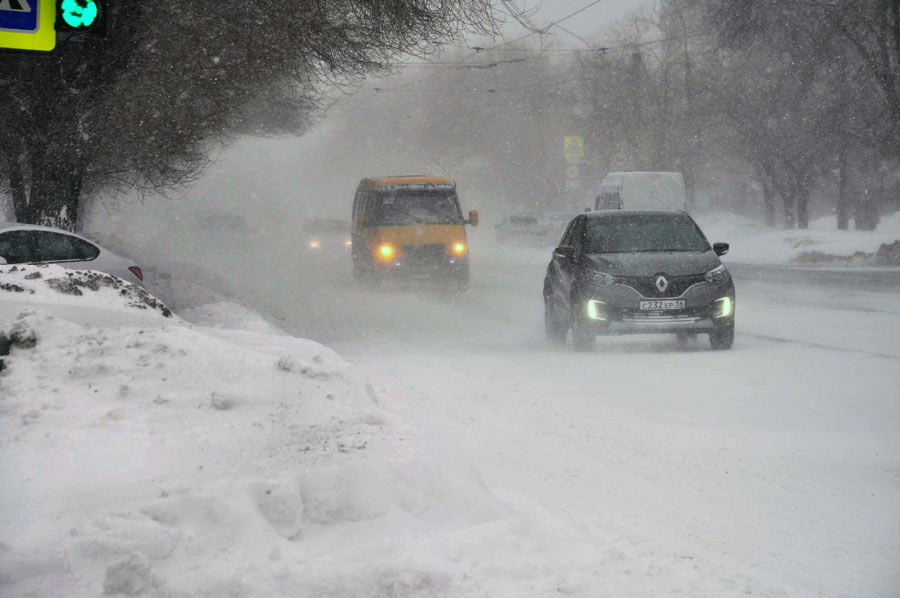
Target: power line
{"points": [[507, 43], [468, 65]]}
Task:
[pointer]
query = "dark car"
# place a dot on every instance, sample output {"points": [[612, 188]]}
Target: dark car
{"points": [[636, 271]]}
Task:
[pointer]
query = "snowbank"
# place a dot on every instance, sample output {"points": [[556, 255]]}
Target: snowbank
{"points": [[47, 284], [753, 243], [154, 458]]}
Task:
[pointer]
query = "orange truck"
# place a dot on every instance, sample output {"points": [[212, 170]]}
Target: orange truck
{"points": [[410, 226]]}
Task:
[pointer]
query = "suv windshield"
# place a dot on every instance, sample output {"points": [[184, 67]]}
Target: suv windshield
{"points": [[640, 233], [416, 206]]}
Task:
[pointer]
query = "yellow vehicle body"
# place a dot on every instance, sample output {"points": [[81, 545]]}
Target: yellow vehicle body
{"points": [[410, 226]]}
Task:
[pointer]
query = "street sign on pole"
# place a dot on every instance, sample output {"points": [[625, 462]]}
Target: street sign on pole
{"points": [[574, 149], [28, 25]]}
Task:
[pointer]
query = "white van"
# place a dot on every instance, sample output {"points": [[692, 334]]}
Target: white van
{"points": [[642, 191]]}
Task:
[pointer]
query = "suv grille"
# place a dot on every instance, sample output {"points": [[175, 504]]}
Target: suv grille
{"points": [[646, 285]]}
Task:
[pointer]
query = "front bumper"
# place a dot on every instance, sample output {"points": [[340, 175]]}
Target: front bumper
{"points": [[411, 263], [618, 310]]}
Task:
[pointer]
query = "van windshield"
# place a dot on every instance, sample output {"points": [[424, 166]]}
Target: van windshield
{"points": [[416, 206], [644, 233]]}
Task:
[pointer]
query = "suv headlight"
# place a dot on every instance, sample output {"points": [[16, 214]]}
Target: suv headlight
{"points": [[601, 278], [717, 276]]}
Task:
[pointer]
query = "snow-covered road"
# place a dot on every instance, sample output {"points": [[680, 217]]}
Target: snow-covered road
{"points": [[772, 469]]}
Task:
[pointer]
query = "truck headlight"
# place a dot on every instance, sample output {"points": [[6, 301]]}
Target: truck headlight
{"points": [[386, 252], [717, 276]]}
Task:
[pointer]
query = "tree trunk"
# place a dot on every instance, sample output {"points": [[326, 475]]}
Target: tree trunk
{"points": [[55, 189], [786, 191], [796, 203], [17, 189], [803, 206], [844, 199], [764, 176]]}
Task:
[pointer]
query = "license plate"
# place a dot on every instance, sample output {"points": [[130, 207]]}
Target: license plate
{"points": [[662, 305]]}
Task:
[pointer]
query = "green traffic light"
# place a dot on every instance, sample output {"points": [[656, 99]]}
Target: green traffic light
{"points": [[79, 14]]}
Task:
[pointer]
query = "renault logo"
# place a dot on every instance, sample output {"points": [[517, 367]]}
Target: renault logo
{"points": [[662, 283]]}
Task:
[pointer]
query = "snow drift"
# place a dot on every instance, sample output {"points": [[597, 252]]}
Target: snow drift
{"points": [[155, 458]]}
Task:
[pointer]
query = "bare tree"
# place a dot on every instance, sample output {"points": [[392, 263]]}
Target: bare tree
{"points": [[142, 106]]}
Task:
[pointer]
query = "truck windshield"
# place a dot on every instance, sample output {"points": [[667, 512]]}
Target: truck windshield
{"points": [[644, 233], [407, 206]]}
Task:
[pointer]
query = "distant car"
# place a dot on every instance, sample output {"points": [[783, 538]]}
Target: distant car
{"points": [[555, 224], [327, 234], [636, 271], [29, 244], [521, 227]]}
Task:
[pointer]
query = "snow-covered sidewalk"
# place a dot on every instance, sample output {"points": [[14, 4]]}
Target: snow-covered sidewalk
{"points": [[819, 245], [142, 455]]}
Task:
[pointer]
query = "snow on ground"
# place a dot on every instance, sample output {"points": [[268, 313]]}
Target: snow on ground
{"points": [[753, 243], [161, 459]]}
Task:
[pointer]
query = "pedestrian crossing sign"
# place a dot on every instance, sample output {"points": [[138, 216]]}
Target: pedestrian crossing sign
{"points": [[574, 149], [28, 25]]}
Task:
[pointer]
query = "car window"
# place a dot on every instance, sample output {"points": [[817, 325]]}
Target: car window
{"points": [[54, 247], [641, 233], [16, 247], [567, 236], [86, 251], [403, 207], [577, 240]]}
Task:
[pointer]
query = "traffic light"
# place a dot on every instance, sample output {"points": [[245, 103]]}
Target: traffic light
{"points": [[81, 16]]}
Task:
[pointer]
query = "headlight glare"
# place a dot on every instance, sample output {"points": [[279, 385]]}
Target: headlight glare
{"points": [[717, 276], [458, 248], [724, 307], [596, 310], [386, 252]]}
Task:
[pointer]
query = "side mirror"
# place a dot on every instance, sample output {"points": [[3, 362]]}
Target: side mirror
{"points": [[473, 217], [565, 252], [721, 248]]}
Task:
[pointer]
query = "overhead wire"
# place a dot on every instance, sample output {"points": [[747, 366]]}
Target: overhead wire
{"points": [[441, 67], [478, 50], [503, 44]]}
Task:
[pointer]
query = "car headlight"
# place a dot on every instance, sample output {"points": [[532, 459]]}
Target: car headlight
{"points": [[596, 310], [348, 243], [717, 276], [458, 248], [724, 307], [602, 278], [314, 244]]}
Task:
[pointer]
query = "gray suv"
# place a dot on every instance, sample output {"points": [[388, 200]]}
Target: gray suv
{"points": [[637, 271]]}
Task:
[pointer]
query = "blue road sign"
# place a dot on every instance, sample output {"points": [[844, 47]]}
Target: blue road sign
{"points": [[19, 15], [28, 25]]}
